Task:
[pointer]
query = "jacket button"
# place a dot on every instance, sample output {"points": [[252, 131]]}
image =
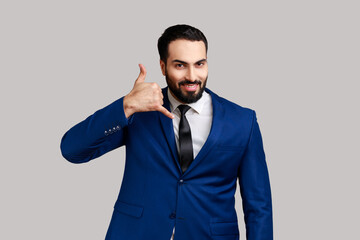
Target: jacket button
{"points": [[106, 133], [172, 215]]}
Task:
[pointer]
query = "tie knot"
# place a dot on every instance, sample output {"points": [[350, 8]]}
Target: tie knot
{"points": [[183, 109]]}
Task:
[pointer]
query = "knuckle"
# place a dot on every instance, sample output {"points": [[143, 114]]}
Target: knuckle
{"points": [[155, 86]]}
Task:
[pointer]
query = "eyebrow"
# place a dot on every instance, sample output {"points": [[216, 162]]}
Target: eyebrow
{"points": [[183, 62]]}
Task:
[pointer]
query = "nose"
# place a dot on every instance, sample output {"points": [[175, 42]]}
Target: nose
{"points": [[191, 74]]}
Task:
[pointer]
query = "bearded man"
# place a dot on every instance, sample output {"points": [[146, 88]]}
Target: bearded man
{"points": [[186, 149]]}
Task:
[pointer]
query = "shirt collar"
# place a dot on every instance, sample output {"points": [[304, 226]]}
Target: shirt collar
{"points": [[197, 106]]}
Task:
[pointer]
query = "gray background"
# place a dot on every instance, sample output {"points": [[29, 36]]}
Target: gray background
{"points": [[295, 62]]}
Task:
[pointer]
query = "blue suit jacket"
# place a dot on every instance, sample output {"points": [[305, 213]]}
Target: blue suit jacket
{"points": [[155, 196]]}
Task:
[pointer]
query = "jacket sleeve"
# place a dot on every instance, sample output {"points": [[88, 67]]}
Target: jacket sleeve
{"points": [[98, 134], [255, 188]]}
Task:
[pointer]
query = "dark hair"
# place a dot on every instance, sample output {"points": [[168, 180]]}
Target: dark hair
{"points": [[175, 32]]}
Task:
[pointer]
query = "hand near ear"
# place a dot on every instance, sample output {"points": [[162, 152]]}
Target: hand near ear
{"points": [[144, 97]]}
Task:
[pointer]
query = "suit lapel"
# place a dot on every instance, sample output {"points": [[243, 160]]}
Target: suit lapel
{"points": [[215, 132], [168, 129]]}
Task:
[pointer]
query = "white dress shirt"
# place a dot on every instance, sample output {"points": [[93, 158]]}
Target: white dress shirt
{"points": [[199, 117]]}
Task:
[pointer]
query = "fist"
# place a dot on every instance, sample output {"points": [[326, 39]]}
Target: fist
{"points": [[144, 97]]}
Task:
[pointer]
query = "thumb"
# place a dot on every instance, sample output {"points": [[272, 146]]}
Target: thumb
{"points": [[142, 74]]}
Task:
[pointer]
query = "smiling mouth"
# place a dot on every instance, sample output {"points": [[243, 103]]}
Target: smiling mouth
{"points": [[190, 87]]}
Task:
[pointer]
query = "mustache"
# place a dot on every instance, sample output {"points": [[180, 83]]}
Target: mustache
{"points": [[190, 82]]}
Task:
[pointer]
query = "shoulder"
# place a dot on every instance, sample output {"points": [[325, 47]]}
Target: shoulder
{"points": [[230, 107]]}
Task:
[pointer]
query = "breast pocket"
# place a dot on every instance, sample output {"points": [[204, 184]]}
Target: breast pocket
{"points": [[224, 230], [228, 148]]}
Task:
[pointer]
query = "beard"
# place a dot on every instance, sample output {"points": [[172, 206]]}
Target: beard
{"points": [[185, 97]]}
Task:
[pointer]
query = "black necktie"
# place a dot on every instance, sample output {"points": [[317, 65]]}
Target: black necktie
{"points": [[185, 141]]}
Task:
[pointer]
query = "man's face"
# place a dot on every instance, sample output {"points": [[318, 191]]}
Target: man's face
{"points": [[186, 69]]}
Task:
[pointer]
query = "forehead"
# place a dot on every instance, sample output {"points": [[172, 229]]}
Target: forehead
{"points": [[186, 50]]}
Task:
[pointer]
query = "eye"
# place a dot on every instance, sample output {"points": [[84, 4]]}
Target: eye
{"points": [[200, 64], [179, 65]]}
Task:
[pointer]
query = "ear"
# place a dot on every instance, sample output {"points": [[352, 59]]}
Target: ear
{"points": [[163, 67]]}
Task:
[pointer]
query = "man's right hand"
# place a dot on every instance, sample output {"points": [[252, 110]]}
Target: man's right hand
{"points": [[144, 97]]}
